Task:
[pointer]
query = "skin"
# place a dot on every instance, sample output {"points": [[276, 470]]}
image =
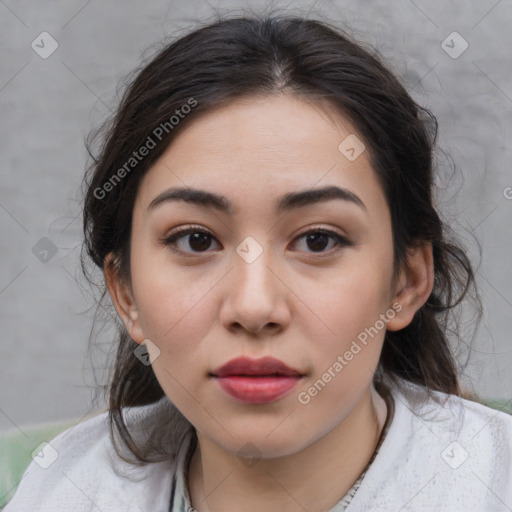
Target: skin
{"points": [[297, 302]]}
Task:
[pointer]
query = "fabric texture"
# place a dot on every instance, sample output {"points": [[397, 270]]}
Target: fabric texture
{"points": [[442, 453]]}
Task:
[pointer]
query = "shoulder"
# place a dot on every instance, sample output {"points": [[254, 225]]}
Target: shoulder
{"points": [[80, 469], [449, 417], [445, 452]]}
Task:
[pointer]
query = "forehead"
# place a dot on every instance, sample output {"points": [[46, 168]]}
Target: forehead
{"points": [[258, 148]]}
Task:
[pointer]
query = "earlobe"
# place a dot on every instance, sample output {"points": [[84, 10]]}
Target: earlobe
{"points": [[122, 298], [414, 285]]}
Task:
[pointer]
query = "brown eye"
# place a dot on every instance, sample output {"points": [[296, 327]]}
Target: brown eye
{"points": [[197, 240], [317, 240]]}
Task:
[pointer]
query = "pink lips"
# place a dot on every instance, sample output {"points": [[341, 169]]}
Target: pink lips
{"points": [[256, 380]]}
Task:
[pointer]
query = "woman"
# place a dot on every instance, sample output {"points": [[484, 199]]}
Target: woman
{"points": [[262, 211]]}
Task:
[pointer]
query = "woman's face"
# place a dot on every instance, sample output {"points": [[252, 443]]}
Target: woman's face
{"points": [[255, 285]]}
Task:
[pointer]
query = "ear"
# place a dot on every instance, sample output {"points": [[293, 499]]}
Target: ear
{"points": [[414, 285], [122, 298]]}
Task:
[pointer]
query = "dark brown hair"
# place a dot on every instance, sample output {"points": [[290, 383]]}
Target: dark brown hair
{"points": [[263, 55]]}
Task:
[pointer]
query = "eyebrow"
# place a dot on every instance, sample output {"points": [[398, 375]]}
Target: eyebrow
{"points": [[286, 203]]}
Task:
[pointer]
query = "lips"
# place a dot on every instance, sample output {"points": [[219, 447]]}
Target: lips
{"points": [[256, 380], [265, 366]]}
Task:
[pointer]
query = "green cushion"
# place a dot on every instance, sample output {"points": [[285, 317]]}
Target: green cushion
{"points": [[501, 405], [16, 448]]}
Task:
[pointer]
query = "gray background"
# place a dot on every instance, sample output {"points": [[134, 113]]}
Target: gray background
{"points": [[49, 105]]}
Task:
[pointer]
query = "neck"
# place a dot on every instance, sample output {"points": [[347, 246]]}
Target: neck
{"points": [[297, 482]]}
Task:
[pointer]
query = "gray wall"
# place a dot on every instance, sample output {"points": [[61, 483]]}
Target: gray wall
{"points": [[49, 104]]}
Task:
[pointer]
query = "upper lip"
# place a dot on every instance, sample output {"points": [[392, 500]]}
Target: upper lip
{"points": [[262, 366]]}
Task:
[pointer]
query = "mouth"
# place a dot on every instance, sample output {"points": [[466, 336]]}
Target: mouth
{"points": [[256, 381]]}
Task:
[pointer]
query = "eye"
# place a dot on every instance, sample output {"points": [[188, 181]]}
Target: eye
{"points": [[317, 239], [182, 240], [199, 242]]}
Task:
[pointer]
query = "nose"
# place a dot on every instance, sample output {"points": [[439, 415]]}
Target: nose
{"points": [[255, 297]]}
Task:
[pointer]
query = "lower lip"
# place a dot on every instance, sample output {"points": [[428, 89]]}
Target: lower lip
{"points": [[257, 390]]}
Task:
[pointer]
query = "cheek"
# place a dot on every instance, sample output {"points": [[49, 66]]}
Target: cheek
{"points": [[354, 298], [348, 311], [174, 315], [344, 360], [170, 317], [172, 303]]}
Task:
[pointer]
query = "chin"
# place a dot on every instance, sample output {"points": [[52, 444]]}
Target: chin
{"points": [[264, 441]]}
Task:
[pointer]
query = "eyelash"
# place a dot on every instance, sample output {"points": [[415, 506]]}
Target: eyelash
{"points": [[171, 240]]}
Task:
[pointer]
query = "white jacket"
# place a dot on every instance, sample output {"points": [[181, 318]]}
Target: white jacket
{"points": [[456, 457]]}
